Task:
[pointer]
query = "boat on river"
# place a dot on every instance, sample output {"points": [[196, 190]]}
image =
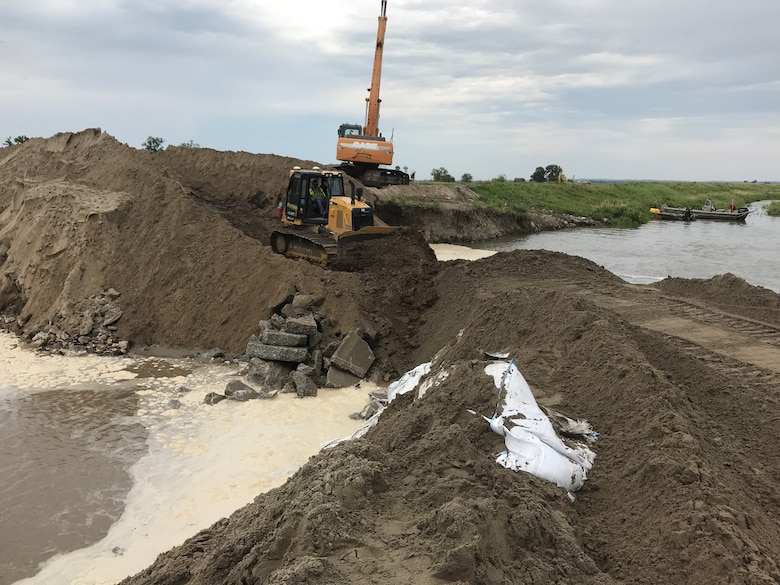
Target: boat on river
{"points": [[673, 213], [707, 211]]}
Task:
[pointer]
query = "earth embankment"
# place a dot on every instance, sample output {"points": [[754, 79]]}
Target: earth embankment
{"points": [[681, 380]]}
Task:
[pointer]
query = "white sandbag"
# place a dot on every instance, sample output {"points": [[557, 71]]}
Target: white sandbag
{"points": [[531, 441]]}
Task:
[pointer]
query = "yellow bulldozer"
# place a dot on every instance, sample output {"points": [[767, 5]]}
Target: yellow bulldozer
{"points": [[317, 215]]}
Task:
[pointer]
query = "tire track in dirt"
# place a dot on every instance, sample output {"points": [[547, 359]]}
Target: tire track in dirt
{"points": [[752, 342]]}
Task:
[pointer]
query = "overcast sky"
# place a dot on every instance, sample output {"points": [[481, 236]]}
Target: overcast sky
{"points": [[639, 89]]}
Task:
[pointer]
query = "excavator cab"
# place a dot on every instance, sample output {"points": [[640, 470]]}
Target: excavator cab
{"points": [[350, 130]]}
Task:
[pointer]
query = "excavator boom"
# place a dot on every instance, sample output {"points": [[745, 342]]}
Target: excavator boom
{"points": [[364, 149], [372, 112]]}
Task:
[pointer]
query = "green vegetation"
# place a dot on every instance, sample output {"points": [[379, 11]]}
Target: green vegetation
{"points": [[18, 140], [623, 204], [442, 175], [153, 144], [550, 174], [773, 208]]}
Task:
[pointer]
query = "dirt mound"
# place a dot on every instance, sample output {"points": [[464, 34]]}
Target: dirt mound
{"points": [[728, 293], [181, 236], [682, 380], [682, 490]]}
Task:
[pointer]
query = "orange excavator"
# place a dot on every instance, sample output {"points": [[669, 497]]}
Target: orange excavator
{"points": [[362, 149]]}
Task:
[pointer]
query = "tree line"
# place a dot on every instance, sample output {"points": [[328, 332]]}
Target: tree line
{"points": [[550, 174]]}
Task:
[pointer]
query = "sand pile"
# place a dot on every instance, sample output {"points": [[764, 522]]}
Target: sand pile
{"points": [[681, 381], [179, 239]]}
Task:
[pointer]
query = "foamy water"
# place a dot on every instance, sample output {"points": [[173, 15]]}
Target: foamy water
{"points": [[202, 462], [445, 252]]}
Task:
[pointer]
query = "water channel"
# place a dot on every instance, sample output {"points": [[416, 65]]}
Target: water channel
{"points": [[699, 249]]}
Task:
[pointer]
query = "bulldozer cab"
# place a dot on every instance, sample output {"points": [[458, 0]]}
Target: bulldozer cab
{"points": [[308, 196]]}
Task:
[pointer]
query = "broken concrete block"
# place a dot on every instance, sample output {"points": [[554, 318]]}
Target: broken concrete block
{"points": [[304, 385], [353, 355], [305, 325], [272, 337], [112, 314], [254, 348], [237, 390], [330, 349], [267, 373], [338, 378], [305, 370], [213, 398], [317, 362]]}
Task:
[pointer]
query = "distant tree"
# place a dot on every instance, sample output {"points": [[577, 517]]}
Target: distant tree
{"points": [[442, 175], [189, 144], [466, 178], [153, 144], [518, 180], [500, 178], [18, 140], [538, 175], [552, 173]]}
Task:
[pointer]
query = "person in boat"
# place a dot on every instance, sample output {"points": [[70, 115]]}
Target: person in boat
{"points": [[688, 215], [733, 207]]}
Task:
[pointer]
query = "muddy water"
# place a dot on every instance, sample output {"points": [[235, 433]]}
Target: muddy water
{"points": [[700, 249], [106, 462]]}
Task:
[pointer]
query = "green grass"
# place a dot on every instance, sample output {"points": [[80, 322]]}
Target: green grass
{"points": [[773, 208], [623, 204]]}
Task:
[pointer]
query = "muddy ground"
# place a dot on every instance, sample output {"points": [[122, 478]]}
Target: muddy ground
{"points": [[681, 379]]}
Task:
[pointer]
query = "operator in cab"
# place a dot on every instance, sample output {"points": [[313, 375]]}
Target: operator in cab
{"points": [[317, 198]]}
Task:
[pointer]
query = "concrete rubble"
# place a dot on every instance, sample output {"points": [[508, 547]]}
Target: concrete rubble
{"points": [[285, 356]]}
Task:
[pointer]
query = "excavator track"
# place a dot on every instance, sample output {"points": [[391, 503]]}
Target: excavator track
{"points": [[317, 248], [375, 177]]}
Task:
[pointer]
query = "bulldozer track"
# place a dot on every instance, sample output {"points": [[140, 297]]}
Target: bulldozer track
{"points": [[316, 248], [753, 345]]}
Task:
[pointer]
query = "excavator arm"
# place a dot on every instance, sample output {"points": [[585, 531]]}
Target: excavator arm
{"points": [[364, 149], [372, 111]]}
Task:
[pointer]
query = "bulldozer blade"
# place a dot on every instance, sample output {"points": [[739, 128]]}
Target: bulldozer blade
{"points": [[367, 233]]}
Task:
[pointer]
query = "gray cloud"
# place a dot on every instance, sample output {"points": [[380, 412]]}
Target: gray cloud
{"points": [[604, 88]]}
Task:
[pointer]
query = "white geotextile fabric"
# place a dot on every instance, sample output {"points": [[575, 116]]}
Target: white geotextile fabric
{"points": [[531, 441], [406, 383]]}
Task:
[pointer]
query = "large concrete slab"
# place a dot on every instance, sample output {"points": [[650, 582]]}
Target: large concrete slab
{"points": [[338, 378], [255, 348], [353, 355], [305, 325], [273, 337]]}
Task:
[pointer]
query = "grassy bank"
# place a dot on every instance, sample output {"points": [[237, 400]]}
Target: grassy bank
{"points": [[773, 208], [624, 204]]}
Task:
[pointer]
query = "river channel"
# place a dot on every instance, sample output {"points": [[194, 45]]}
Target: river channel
{"points": [[699, 249]]}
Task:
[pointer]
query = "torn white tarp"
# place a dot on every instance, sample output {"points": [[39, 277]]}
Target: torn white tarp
{"points": [[406, 383], [531, 441]]}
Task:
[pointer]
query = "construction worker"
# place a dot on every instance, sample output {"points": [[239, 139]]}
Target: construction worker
{"points": [[317, 197]]}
